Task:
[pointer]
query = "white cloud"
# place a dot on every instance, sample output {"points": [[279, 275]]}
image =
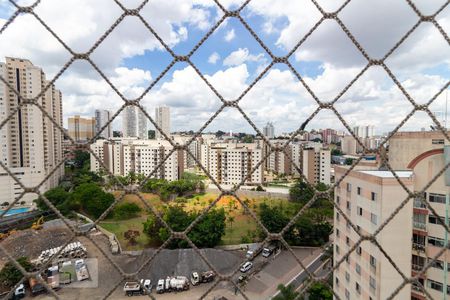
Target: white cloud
{"points": [[241, 56], [230, 35], [213, 58]]}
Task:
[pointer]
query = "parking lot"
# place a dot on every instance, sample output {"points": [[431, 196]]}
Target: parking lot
{"points": [[262, 278]]}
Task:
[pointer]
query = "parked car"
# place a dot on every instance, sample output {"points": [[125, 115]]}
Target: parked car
{"points": [[197, 278], [246, 266], [19, 293], [268, 251]]}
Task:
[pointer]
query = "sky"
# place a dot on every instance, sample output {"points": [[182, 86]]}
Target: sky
{"points": [[231, 59]]}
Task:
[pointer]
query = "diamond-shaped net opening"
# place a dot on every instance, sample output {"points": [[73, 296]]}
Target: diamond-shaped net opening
{"points": [[273, 231]]}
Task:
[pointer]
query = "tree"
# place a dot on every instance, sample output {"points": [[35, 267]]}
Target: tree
{"points": [[272, 218], [82, 159], [125, 211], [208, 232], [131, 236], [348, 161], [286, 293], [59, 197], [152, 227], [336, 152], [248, 139], [230, 221], [92, 199], [10, 275], [301, 192], [319, 291]]}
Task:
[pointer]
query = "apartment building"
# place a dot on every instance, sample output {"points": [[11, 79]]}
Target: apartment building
{"points": [[122, 156], [134, 123], [81, 129], [162, 119], [102, 117], [424, 155], [368, 198], [316, 165], [269, 130], [31, 144], [230, 163]]}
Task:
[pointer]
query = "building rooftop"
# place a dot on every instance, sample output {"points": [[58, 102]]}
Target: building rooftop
{"points": [[387, 174]]}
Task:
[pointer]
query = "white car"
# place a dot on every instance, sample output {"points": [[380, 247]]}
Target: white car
{"points": [[247, 266]]}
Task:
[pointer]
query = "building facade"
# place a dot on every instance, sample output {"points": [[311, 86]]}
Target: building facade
{"points": [[31, 144], [368, 198], [102, 117], [122, 156], [162, 119], [231, 163], [269, 130], [81, 129], [134, 123], [415, 236]]}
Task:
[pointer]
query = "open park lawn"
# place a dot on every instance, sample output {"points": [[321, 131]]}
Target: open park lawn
{"points": [[240, 225]]}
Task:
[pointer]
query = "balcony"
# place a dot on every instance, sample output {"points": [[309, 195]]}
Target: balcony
{"points": [[418, 247], [417, 268], [420, 226], [419, 204]]}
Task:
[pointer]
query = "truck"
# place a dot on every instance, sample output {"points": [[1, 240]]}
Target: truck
{"points": [[132, 288], [175, 283], [268, 251], [52, 275], [253, 251], [81, 270], [35, 286], [203, 277]]}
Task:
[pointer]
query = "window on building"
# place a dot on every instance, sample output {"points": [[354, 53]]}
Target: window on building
{"points": [[372, 282], [436, 241], [347, 276], [373, 218], [337, 216], [359, 250], [347, 294], [437, 141], [358, 269], [358, 288], [347, 241], [436, 263], [373, 261], [347, 260], [437, 198], [337, 281], [373, 196], [358, 190], [337, 249], [349, 206], [349, 187], [360, 211], [337, 232], [435, 285], [435, 219], [338, 200]]}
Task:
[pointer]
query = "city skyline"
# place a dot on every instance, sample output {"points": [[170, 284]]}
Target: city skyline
{"points": [[373, 98]]}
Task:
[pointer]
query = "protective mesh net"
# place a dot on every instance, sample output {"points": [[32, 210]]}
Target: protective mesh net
{"points": [[226, 103]]}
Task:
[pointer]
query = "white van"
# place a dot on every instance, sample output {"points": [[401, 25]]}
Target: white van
{"points": [[245, 267]]}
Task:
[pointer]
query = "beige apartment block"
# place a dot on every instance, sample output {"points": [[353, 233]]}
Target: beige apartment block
{"points": [[426, 154], [81, 129], [368, 198], [31, 144], [125, 155]]}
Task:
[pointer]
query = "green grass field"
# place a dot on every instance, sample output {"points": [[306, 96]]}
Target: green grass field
{"points": [[243, 225]]}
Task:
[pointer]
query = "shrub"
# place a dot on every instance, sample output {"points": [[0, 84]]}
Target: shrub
{"points": [[125, 211]]}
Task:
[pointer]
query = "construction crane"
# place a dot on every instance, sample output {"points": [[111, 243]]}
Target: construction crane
{"points": [[38, 224]]}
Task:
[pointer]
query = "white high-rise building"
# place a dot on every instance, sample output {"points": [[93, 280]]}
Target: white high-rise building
{"points": [[269, 130], [31, 145], [122, 156], [162, 119], [102, 117], [364, 131], [134, 123]]}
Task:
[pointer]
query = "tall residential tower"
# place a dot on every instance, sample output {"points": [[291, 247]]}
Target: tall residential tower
{"points": [[31, 144], [162, 119]]}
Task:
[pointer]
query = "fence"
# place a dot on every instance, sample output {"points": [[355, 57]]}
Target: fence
{"points": [[322, 104]]}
